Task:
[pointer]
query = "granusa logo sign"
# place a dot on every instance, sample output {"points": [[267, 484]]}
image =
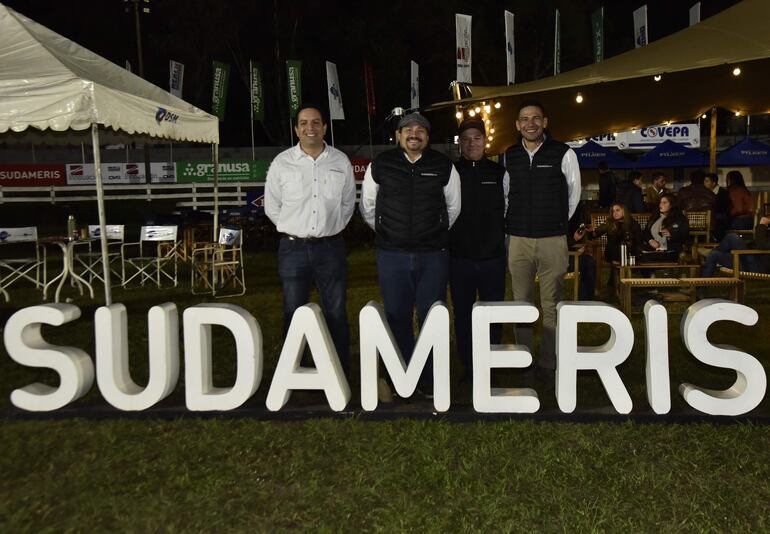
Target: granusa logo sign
{"points": [[26, 346]]}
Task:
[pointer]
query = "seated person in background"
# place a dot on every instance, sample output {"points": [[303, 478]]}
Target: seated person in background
{"points": [[696, 196], [721, 213], [741, 203], [621, 229], [753, 263], [630, 193], [668, 230], [654, 191], [587, 284]]}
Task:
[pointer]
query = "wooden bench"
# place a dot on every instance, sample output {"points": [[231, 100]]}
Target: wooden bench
{"points": [[735, 285]]}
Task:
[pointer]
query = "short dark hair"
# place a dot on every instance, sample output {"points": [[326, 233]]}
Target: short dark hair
{"points": [[657, 174], [712, 176], [303, 107], [530, 102], [697, 176], [634, 176]]}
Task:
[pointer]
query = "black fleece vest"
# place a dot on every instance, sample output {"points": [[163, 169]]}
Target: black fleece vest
{"points": [[411, 211], [538, 201], [479, 231]]}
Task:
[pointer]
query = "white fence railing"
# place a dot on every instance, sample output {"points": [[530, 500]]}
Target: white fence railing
{"points": [[193, 195]]}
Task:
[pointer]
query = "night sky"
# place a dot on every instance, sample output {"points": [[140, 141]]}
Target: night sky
{"points": [[387, 34]]}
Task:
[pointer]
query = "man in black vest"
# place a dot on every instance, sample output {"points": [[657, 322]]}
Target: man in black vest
{"points": [[411, 197], [477, 249], [544, 193]]}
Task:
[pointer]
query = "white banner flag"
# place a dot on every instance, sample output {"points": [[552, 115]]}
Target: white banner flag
{"points": [[695, 14], [336, 113], [640, 27], [175, 78], [510, 58], [415, 86], [557, 45], [463, 31]]}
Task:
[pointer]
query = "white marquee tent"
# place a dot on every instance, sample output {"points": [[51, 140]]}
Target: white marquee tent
{"points": [[53, 90]]}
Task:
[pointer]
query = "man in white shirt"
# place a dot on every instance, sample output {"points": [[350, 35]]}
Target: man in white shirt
{"points": [[310, 195], [411, 197], [544, 193]]}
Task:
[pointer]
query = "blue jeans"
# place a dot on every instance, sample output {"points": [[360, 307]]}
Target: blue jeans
{"points": [[721, 256], [587, 285], [323, 262], [410, 280], [466, 279]]}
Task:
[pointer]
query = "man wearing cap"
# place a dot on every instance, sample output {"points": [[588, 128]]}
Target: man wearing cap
{"points": [[544, 193], [411, 197], [310, 195], [477, 239]]}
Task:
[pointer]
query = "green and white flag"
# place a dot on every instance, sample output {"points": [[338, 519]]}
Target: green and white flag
{"points": [[294, 76], [257, 96], [557, 45], [597, 32], [219, 93]]}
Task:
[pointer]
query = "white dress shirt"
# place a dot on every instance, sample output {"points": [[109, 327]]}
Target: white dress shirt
{"points": [[570, 168], [308, 197], [369, 190]]}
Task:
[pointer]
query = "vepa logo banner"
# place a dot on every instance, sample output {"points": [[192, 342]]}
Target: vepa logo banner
{"points": [[229, 171], [647, 138]]}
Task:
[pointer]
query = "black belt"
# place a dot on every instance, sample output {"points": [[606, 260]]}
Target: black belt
{"points": [[310, 240]]}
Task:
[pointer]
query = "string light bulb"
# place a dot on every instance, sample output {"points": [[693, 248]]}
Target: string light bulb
{"points": [[492, 130], [488, 108], [459, 114], [472, 113], [738, 113], [737, 71], [487, 122], [657, 77], [498, 105], [490, 138], [488, 145], [579, 98], [477, 110], [703, 116]]}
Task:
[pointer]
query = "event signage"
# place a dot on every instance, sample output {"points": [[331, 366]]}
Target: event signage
{"points": [[378, 350], [557, 45], [294, 76], [229, 171], [649, 137], [463, 47], [597, 33], [121, 173], [175, 78], [219, 90], [24, 175], [510, 57], [257, 94], [359, 167]]}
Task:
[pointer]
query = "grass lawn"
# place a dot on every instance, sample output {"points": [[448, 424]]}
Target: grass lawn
{"points": [[177, 472]]}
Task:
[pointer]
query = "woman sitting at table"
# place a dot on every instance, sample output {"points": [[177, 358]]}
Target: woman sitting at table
{"points": [[621, 229], [668, 230], [741, 203]]}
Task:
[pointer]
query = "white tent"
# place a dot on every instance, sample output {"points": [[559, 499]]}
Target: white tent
{"points": [[54, 90]]}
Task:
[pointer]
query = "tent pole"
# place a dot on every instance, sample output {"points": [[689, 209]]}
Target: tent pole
{"points": [[216, 192], [713, 141], [102, 217]]}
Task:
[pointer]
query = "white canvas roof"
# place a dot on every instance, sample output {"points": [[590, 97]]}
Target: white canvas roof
{"points": [[52, 84]]}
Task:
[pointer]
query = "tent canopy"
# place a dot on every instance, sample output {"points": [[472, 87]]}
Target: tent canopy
{"points": [[746, 153], [670, 154], [592, 153], [621, 94], [52, 85]]}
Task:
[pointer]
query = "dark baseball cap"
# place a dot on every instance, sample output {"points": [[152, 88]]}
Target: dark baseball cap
{"points": [[413, 118], [472, 123]]}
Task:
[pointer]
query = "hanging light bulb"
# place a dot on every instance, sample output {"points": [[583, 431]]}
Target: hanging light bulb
{"points": [[488, 145], [491, 130], [579, 98], [737, 71], [657, 77], [738, 113], [459, 114], [472, 113], [490, 137], [703, 116], [477, 110], [488, 108], [487, 122], [498, 105]]}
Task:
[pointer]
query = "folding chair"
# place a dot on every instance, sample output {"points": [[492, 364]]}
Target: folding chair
{"points": [[155, 255], [89, 261], [218, 265], [21, 258]]}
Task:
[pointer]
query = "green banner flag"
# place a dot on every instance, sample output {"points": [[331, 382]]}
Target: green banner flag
{"points": [[294, 75], [229, 171], [257, 96], [597, 31], [219, 94]]}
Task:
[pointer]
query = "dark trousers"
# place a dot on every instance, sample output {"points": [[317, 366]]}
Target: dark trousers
{"points": [[409, 281], [324, 262], [467, 279], [722, 256], [587, 285]]}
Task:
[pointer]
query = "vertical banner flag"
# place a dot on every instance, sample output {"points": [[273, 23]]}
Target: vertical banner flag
{"points": [[414, 90], [557, 45], [219, 94], [294, 76], [257, 96], [695, 14], [128, 65], [463, 34], [510, 58], [175, 78], [371, 104], [597, 31], [641, 33], [335, 95]]}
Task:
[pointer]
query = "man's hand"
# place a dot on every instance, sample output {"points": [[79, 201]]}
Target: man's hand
{"points": [[764, 220]]}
